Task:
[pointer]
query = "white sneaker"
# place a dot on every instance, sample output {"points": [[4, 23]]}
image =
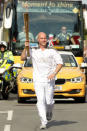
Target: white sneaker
{"points": [[49, 116], [43, 126]]}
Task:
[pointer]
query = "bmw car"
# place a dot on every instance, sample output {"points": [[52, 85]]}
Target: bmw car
{"points": [[70, 82]]}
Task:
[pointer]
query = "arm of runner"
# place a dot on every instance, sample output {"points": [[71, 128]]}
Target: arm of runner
{"points": [[24, 53], [58, 68], [58, 61]]}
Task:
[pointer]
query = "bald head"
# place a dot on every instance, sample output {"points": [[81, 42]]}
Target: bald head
{"points": [[42, 39], [40, 34]]}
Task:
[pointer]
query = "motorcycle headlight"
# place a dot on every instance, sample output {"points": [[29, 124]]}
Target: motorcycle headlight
{"points": [[26, 80], [2, 70], [76, 79]]}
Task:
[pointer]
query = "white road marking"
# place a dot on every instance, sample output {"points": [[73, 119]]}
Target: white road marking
{"points": [[9, 118], [10, 115], [3, 112], [7, 127]]}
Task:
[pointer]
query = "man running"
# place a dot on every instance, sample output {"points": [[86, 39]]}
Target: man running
{"points": [[46, 64]]}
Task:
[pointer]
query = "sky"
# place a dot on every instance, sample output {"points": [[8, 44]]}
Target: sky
{"points": [[84, 1]]}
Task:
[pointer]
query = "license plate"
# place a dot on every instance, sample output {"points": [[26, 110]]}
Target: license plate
{"points": [[58, 88]]}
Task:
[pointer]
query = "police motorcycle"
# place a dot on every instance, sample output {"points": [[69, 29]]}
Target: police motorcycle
{"points": [[7, 80], [8, 73]]}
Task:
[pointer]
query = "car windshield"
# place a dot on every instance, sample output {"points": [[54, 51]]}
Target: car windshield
{"points": [[69, 60]]}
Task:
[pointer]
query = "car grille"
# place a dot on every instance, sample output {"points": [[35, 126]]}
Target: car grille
{"points": [[60, 81]]}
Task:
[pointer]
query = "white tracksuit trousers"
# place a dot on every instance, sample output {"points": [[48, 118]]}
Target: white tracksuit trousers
{"points": [[44, 92]]}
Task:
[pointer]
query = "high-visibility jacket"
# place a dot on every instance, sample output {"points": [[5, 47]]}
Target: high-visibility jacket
{"points": [[7, 58]]}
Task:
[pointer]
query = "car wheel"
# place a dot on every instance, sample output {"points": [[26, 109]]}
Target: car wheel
{"points": [[1, 96], [5, 96], [14, 90]]}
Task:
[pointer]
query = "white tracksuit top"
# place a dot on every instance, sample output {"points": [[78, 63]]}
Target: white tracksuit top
{"points": [[44, 63]]}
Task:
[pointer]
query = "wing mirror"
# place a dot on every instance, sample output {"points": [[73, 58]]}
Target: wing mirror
{"points": [[85, 18], [83, 65], [8, 16]]}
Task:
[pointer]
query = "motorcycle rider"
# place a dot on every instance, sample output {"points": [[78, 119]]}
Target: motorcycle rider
{"points": [[5, 55], [6, 60]]}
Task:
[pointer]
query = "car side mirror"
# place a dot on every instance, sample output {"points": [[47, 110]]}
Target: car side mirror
{"points": [[8, 16], [83, 65], [85, 18]]}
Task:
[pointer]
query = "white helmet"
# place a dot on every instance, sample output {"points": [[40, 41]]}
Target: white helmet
{"points": [[3, 43]]}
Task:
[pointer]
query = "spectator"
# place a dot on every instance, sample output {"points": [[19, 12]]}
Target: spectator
{"points": [[65, 38]]}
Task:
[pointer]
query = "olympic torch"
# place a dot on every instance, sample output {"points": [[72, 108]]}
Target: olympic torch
{"points": [[26, 24]]}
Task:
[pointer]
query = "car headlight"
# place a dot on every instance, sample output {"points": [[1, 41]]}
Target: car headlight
{"points": [[26, 80], [76, 79]]}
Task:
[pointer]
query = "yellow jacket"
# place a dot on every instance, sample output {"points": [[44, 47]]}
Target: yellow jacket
{"points": [[6, 58]]}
